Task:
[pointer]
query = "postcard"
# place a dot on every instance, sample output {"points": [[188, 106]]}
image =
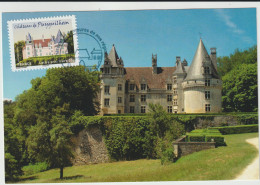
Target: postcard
{"points": [[148, 95]]}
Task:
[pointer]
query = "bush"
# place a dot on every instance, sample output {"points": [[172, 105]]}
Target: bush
{"points": [[220, 141], [131, 137], [51, 59], [199, 138], [206, 138], [12, 168], [247, 119], [35, 168], [164, 150], [237, 129]]}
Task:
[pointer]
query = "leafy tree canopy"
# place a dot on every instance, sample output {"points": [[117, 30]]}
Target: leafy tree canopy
{"points": [[226, 64], [239, 75], [240, 89], [37, 125]]}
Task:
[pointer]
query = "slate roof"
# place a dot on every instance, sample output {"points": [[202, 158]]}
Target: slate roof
{"points": [[195, 70], [113, 56], [59, 37], [154, 81], [29, 37], [180, 68]]}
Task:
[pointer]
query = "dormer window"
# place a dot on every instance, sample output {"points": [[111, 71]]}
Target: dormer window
{"points": [[206, 70], [143, 87]]}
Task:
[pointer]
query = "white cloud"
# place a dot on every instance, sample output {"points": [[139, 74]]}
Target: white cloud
{"points": [[234, 28], [227, 19]]}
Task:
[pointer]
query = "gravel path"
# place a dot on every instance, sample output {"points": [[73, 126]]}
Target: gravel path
{"points": [[251, 172]]}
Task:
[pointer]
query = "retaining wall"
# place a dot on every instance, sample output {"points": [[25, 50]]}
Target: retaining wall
{"points": [[182, 148], [89, 147]]}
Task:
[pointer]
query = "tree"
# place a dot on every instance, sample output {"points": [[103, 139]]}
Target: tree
{"points": [[12, 145], [69, 39], [227, 63], [167, 130], [240, 89], [239, 75], [55, 96], [160, 119], [51, 142], [18, 49]]}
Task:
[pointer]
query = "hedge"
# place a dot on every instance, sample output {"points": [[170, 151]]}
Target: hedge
{"points": [[44, 59], [220, 141], [196, 138], [243, 118], [237, 129], [126, 137]]}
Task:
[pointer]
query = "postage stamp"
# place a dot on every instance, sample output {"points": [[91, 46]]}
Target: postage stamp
{"points": [[43, 43]]}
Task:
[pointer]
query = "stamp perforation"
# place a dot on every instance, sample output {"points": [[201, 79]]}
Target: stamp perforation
{"points": [[11, 42]]}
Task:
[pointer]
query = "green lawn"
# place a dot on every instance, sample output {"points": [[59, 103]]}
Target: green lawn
{"points": [[222, 163]]}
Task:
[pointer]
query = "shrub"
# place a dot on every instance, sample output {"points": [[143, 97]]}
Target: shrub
{"points": [[35, 168], [37, 60], [247, 119], [220, 141], [206, 138], [199, 138], [164, 150], [237, 129], [12, 168], [131, 137]]}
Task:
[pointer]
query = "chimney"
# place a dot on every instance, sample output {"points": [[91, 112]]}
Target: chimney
{"points": [[154, 63], [213, 56], [184, 62], [178, 60], [42, 38]]}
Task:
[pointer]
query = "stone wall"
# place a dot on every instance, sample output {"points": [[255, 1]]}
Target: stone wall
{"points": [[89, 147], [214, 121], [182, 148]]}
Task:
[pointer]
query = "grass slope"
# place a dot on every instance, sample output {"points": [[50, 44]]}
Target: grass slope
{"points": [[222, 163]]}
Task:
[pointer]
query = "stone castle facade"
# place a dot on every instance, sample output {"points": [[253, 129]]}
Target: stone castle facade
{"points": [[45, 47], [180, 89]]}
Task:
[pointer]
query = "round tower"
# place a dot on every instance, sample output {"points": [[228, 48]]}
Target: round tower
{"points": [[202, 86]]}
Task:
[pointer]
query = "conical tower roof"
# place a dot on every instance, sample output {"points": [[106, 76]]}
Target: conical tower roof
{"points": [[59, 37], [179, 68], [196, 69], [113, 57]]}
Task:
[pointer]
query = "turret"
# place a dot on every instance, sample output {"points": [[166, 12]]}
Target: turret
{"points": [[112, 83], [202, 85], [179, 67], [202, 66]]}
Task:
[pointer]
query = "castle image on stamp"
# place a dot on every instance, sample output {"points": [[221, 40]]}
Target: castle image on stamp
{"points": [[43, 43]]}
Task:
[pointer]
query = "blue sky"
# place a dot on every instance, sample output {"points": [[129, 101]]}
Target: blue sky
{"points": [[138, 34]]}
